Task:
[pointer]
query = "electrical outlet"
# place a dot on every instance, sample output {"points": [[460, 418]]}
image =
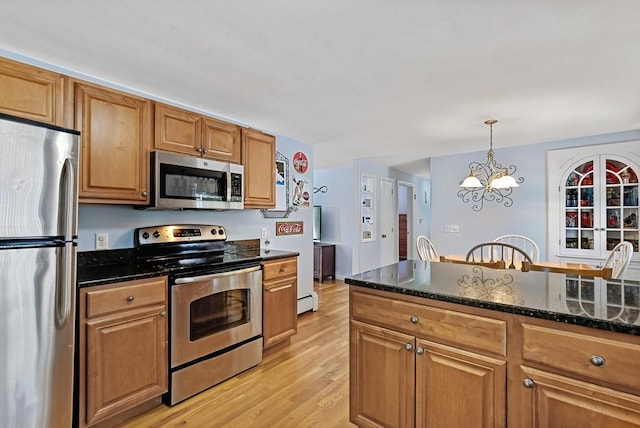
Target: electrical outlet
{"points": [[102, 241], [264, 232], [452, 228]]}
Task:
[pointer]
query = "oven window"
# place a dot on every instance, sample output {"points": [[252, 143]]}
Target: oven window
{"points": [[218, 312]]}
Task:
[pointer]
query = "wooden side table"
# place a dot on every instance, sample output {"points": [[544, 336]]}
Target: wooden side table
{"points": [[324, 258]]}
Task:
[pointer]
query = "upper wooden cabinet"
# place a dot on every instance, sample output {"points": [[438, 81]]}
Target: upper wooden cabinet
{"points": [[31, 92], [259, 160], [181, 131], [116, 135]]}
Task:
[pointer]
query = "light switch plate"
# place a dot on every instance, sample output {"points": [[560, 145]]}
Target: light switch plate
{"points": [[452, 228]]}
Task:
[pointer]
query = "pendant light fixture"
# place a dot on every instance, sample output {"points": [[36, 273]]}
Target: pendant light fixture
{"points": [[488, 181]]}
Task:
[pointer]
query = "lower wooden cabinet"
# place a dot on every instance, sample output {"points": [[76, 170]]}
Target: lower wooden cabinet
{"points": [[397, 380], [381, 377], [458, 388], [424, 363], [551, 400], [122, 348], [279, 300]]}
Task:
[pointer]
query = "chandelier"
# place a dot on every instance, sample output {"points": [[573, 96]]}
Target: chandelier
{"points": [[488, 181]]}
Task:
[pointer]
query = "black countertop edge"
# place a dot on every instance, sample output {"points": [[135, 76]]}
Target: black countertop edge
{"points": [[122, 265], [516, 310]]}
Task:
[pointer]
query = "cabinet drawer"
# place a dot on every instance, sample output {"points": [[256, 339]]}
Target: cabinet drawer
{"points": [[279, 268], [573, 352], [128, 295], [440, 325]]}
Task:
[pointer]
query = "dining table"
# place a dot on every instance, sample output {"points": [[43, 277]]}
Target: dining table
{"points": [[549, 264]]}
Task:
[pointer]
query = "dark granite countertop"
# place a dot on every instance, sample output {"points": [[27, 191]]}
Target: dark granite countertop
{"points": [[593, 302], [104, 267]]}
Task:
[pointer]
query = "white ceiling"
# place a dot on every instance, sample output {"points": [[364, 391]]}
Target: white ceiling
{"points": [[394, 82]]}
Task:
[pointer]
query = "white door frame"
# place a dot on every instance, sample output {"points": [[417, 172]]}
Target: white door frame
{"points": [[388, 222]]}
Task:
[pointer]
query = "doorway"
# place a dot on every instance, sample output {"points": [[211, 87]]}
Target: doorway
{"points": [[388, 224], [405, 220]]}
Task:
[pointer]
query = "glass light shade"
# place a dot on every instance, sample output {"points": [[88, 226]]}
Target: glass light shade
{"points": [[471, 182], [504, 182]]}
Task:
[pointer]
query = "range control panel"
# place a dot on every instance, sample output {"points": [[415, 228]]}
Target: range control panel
{"points": [[179, 233]]}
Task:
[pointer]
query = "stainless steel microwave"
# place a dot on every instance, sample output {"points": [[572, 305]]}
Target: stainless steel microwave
{"points": [[189, 182]]}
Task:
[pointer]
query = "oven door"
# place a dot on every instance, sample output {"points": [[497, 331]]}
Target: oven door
{"points": [[212, 312]]}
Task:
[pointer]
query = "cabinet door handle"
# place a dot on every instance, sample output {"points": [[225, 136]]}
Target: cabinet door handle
{"points": [[597, 361], [163, 313], [528, 383], [130, 298], [419, 350], [414, 320], [145, 193], [384, 236], [408, 347]]}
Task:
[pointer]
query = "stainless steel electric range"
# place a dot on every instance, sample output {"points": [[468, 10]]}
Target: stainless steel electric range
{"points": [[215, 304]]}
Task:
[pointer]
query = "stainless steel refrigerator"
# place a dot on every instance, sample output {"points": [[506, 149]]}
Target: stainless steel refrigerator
{"points": [[38, 229]]}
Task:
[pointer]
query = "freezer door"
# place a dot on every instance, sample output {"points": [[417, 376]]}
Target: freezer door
{"points": [[37, 307], [38, 181]]}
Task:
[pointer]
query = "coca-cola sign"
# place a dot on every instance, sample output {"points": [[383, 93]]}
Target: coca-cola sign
{"points": [[289, 228]]}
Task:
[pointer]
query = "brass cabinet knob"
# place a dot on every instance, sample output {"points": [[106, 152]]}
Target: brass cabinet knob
{"points": [[130, 298], [145, 193], [408, 347], [414, 320], [419, 350], [528, 383]]}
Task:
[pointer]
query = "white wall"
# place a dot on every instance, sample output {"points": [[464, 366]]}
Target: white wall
{"points": [[527, 216], [337, 212], [341, 213]]}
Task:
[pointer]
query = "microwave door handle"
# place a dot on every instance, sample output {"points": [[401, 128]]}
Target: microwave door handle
{"points": [[216, 275]]}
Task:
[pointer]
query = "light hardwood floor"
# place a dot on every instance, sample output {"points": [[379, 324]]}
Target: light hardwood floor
{"points": [[303, 385]]}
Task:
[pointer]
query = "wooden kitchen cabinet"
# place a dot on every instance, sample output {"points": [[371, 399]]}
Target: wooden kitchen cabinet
{"points": [[185, 132], [574, 376], [381, 377], [279, 300], [417, 365], [116, 135], [259, 160], [31, 92], [122, 349]]}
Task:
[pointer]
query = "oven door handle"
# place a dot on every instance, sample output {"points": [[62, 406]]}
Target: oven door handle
{"points": [[216, 275]]}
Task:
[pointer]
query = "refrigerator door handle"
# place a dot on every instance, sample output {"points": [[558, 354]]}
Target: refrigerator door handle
{"points": [[68, 202], [65, 283]]}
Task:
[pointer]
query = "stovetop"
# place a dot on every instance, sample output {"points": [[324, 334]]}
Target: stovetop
{"points": [[190, 249]]}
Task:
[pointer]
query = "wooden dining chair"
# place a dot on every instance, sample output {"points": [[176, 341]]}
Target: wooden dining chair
{"points": [[527, 245], [604, 272], [426, 249], [497, 251], [497, 264], [619, 259]]}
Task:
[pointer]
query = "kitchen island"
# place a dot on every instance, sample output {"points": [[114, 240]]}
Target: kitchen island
{"points": [[440, 344]]}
